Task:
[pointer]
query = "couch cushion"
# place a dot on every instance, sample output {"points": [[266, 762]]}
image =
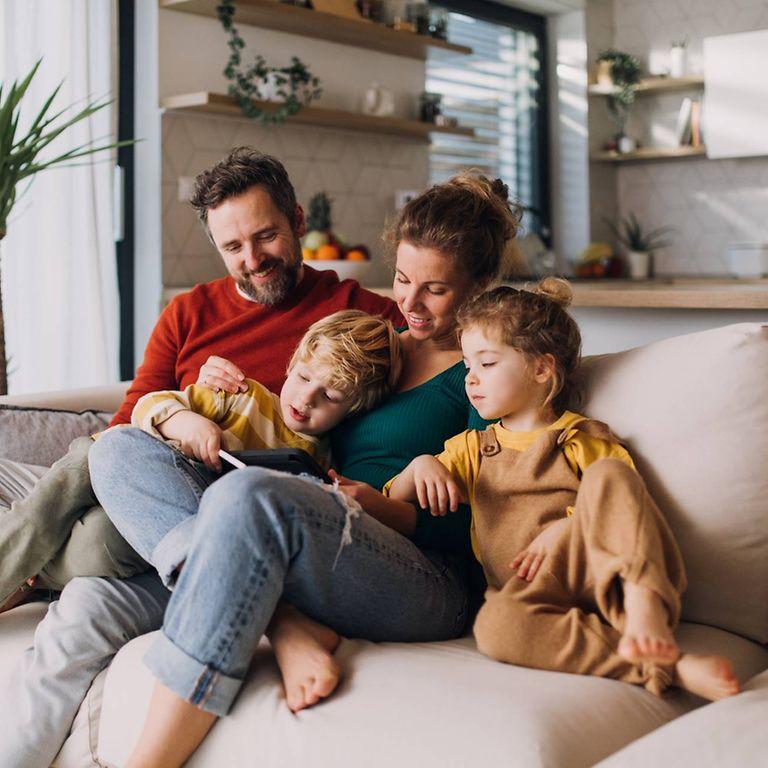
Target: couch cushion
{"points": [[728, 732], [42, 435], [425, 704], [694, 413]]}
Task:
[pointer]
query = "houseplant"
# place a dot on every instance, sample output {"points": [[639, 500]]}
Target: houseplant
{"points": [[20, 156], [640, 244], [625, 76]]}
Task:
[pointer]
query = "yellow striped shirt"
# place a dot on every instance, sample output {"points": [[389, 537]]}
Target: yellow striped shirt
{"points": [[249, 420]]}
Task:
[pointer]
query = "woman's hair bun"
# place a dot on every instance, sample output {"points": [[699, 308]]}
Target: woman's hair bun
{"points": [[556, 289], [500, 189]]}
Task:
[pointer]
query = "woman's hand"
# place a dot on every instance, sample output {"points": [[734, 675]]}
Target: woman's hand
{"points": [[199, 437], [435, 487], [398, 515], [219, 374], [529, 561]]}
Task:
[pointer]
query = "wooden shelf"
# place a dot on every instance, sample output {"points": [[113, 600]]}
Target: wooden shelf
{"points": [[655, 85], [221, 104], [269, 14], [650, 153]]}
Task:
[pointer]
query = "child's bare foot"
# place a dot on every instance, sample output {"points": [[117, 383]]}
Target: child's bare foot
{"points": [[22, 595], [304, 651], [647, 635], [711, 677]]}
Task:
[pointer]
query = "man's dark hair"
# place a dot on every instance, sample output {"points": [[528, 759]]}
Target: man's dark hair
{"points": [[242, 169]]}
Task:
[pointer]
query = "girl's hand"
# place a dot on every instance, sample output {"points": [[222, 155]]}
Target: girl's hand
{"points": [[435, 487], [199, 437], [529, 561], [365, 495], [219, 374]]}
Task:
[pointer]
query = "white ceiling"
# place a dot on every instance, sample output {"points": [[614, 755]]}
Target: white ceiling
{"points": [[546, 7]]}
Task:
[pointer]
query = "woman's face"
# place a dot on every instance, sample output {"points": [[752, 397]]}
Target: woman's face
{"points": [[428, 289]]}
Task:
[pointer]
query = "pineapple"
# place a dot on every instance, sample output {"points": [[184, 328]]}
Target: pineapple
{"points": [[319, 216]]}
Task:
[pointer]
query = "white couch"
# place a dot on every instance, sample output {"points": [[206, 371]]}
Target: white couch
{"points": [[694, 412]]}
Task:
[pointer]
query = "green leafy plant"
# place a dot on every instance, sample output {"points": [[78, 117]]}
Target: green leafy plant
{"points": [[625, 74], [295, 84], [630, 232], [20, 156]]}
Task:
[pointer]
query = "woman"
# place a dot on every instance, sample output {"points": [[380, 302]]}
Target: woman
{"points": [[260, 539]]}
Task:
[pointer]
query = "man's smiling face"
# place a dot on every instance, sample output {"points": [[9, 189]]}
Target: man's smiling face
{"points": [[260, 249]]}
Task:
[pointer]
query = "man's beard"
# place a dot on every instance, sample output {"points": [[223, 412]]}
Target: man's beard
{"points": [[281, 283]]}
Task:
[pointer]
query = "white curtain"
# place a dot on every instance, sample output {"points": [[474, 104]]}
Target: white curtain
{"points": [[58, 258]]}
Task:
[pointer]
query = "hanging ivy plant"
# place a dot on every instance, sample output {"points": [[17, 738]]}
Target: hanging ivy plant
{"points": [[294, 85]]}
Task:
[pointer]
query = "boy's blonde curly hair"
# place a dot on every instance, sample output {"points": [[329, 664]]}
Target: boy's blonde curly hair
{"points": [[362, 353], [534, 323]]}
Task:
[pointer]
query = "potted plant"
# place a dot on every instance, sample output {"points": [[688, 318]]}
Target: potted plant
{"points": [[625, 76], [640, 244], [20, 157]]}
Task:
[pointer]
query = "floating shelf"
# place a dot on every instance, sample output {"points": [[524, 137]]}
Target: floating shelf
{"points": [[269, 14], [650, 153], [221, 104], [654, 85]]}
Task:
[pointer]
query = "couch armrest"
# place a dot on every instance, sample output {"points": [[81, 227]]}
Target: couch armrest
{"points": [[104, 398]]}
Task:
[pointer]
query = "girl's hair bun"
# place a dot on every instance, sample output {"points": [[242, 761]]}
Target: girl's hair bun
{"points": [[556, 289], [500, 189]]}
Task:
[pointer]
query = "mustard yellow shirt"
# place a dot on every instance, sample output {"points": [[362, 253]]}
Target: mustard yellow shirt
{"points": [[249, 420], [461, 455]]}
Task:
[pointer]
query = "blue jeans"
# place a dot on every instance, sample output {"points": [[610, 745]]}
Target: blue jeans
{"points": [[256, 537]]}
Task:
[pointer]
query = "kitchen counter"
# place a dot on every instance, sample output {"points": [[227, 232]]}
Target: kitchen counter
{"points": [[663, 293]]}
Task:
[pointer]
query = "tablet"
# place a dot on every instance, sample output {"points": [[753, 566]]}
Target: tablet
{"points": [[293, 460]]}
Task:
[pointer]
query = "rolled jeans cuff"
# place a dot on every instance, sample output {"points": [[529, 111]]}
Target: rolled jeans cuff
{"points": [[172, 550], [189, 679]]}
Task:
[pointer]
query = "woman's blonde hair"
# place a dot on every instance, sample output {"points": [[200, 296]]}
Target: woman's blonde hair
{"points": [[361, 352], [534, 323], [469, 218]]}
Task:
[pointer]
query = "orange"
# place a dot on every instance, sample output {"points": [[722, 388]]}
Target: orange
{"points": [[356, 255], [328, 252], [308, 254]]}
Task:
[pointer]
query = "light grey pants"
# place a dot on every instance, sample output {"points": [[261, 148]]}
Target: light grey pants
{"points": [[78, 637]]}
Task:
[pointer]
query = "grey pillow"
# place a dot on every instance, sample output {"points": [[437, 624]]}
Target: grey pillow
{"points": [[42, 435]]}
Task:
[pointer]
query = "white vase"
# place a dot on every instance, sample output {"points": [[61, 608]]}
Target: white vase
{"points": [[639, 263], [626, 144], [678, 61]]}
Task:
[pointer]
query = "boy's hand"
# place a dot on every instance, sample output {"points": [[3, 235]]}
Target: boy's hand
{"points": [[529, 561], [217, 373], [435, 488], [199, 437]]}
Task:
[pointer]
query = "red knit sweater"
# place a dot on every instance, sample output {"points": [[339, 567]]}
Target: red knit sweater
{"points": [[214, 319]]}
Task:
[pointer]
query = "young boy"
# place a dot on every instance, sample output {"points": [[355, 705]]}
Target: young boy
{"points": [[345, 363]]}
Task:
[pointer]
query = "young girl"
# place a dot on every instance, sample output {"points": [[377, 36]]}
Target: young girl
{"points": [[584, 574]]}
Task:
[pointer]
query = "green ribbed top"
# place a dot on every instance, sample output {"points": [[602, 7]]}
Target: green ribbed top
{"points": [[373, 447]]}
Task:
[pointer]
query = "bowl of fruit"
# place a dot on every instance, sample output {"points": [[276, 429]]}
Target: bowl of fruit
{"points": [[324, 249]]}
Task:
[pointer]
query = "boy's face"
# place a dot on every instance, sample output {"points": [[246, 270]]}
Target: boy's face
{"points": [[500, 381], [308, 404]]}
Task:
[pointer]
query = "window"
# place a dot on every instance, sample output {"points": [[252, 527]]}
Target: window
{"points": [[500, 92]]}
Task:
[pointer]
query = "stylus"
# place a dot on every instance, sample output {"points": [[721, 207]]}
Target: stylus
{"points": [[231, 459]]}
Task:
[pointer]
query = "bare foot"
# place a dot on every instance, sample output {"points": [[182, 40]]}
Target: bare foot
{"points": [[304, 651], [711, 677], [22, 595], [647, 635]]}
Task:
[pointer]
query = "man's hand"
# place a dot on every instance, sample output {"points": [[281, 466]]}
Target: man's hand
{"points": [[435, 487], [199, 437], [529, 561], [218, 373]]}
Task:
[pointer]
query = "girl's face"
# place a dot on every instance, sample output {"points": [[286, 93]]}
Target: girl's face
{"points": [[428, 289], [500, 380]]}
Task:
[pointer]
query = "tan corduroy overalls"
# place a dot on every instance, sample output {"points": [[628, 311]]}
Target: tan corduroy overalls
{"points": [[570, 617]]}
